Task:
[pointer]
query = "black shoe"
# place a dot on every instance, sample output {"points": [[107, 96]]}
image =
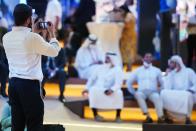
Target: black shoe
{"points": [[118, 120], [188, 121], [148, 120], [62, 99], [161, 120], [168, 121], [99, 118]]}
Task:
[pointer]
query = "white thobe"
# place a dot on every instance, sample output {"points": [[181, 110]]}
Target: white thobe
{"points": [[85, 59], [148, 80], [176, 98], [54, 10], [107, 78]]}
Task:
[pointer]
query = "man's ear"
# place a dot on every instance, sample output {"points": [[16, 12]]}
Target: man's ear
{"points": [[29, 20]]}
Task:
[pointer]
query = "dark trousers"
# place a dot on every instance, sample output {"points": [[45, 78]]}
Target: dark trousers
{"points": [[191, 44], [61, 76], [3, 79], [27, 107]]}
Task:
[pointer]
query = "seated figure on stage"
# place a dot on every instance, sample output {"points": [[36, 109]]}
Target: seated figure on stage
{"points": [[53, 68], [180, 84], [104, 89], [148, 78], [89, 58]]}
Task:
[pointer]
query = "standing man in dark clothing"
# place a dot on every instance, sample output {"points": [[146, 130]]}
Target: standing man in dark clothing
{"points": [[83, 15], [167, 9], [191, 41], [3, 65], [39, 6], [53, 68], [24, 49]]}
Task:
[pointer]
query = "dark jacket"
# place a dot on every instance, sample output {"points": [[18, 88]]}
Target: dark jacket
{"points": [[60, 60], [3, 58]]}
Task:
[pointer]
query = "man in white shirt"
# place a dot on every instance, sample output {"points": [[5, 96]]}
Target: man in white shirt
{"points": [[148, 78], [24, 50], [104, 88], [180, 89], [54, 13], [89, 58]]}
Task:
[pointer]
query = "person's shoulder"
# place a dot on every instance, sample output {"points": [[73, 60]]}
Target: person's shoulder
{"points": [[118, 70], [6, 35], [32, 34], [139, 69], [190, 70], [156, 68], [81, 49]]}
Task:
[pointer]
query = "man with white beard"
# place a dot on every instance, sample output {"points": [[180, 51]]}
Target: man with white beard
{"points": [[89, 58], [148, 78], [104, 89], [180, 89]]}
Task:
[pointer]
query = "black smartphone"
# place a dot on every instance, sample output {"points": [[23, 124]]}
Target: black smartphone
{"points": [[43, 25]]}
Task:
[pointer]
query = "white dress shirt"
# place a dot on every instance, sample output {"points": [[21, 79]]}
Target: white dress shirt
{"points": [[148, 79], [24, 50]]}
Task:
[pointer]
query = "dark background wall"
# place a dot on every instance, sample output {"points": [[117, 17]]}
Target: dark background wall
{"points": [[147, 25]]}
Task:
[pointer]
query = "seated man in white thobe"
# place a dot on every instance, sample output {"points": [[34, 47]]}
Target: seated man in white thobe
{"points": [[168, 74], [148, 78], [89, 58], [178, 97], [104, 89]]}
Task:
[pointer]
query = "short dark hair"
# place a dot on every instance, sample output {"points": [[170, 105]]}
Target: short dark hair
{"points": [[21, 13]]}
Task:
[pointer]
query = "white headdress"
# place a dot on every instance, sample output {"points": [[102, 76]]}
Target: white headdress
{"points": [[178, 59]]}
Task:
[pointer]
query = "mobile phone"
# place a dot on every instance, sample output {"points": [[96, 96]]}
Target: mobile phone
{"points": [[43, 25]]}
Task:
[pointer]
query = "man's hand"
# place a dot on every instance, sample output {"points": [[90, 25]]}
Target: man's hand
{"points": [[109, 92], [192, 92], [85, 93], [51, 30], [99, 62], [35, 26], [96, 63]]}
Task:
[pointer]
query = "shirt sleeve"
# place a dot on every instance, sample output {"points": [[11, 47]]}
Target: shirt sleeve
{"points": [[132, 78], [44, 48], [90, 82]]}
